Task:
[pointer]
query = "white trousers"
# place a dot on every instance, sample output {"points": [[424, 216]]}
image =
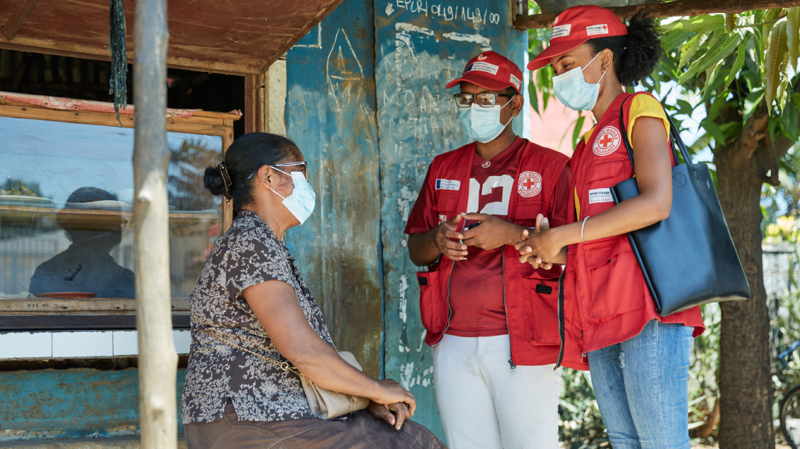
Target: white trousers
{"points": [[484, 404]]}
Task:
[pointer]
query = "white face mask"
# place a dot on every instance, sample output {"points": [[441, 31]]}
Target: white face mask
{"points": [[303, 199], [483, 124], [574, 92]]}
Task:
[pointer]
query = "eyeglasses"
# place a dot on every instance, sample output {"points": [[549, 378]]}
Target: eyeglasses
{"points": [[484, 100], [303, 169]]}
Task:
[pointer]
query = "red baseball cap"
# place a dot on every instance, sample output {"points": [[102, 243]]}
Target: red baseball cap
{"points": [[575, 26], [492, 71]]}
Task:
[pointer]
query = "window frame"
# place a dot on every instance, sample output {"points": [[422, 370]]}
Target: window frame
{"points": [[49, 314]]}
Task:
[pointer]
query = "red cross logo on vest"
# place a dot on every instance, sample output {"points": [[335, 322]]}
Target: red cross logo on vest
{"points": [[530, 184], [607, 141]]}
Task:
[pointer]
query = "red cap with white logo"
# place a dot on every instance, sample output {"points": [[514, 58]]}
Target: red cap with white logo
{"points": [[575, 26], [492, 71]]}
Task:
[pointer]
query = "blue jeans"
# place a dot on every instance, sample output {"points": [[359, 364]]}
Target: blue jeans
{"points": [[641, 386]]}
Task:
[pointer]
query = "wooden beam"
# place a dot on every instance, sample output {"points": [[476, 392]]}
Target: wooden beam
{"points": [[253, 103], [158, 361], [678, 8], [15, 19], [58, 48]]}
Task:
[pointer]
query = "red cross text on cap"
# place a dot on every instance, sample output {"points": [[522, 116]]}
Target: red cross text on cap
{"points": [[607, 141], [530, 184]]}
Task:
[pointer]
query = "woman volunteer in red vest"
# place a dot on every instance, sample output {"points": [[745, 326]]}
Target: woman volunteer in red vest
{"points": [[639, 361]]}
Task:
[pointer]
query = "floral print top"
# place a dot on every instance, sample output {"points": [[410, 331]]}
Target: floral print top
{"points": [[248, 254]]}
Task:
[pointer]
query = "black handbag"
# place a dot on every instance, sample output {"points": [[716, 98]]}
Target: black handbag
{"points": [[689, 258]]}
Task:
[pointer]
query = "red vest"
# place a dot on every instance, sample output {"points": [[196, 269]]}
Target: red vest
{"points": [[606, 299], [531, 296]]}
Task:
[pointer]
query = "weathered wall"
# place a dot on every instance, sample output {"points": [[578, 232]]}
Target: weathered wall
{"points": [[368, 146], [330, 114], [72, 403], [421, 46]]}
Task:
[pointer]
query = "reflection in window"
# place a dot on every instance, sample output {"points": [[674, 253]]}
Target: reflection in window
{"points": [[66, 193]]}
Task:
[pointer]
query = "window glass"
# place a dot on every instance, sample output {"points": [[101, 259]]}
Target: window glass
{"points": [[66, 220]]}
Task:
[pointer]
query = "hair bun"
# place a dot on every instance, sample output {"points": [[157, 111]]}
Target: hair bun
{"points": [[213, 181]]}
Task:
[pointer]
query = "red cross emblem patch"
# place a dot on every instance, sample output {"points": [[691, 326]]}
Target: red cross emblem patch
{"points": [[530, 184], [607, 141]]}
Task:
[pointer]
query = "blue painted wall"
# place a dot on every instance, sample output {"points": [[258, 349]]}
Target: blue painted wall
{"points": [[330, 114], [71, 403], [421, 46]]}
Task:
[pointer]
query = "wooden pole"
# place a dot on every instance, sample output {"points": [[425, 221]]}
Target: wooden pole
{"points": [[158, 362], [672, 9]]}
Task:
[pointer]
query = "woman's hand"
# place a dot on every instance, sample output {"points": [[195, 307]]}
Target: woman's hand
{"points": [[539, 249], [393, 414], [391, 392]]}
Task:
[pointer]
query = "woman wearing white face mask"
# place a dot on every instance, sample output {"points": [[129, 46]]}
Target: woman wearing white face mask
{"points": [[255, 324], [639, 361]]}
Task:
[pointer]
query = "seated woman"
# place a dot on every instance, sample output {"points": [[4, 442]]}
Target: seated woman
{"points": [[250, 300]]}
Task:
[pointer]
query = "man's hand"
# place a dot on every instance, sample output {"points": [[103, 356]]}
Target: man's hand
{"points": [[491, 233], [393, 414], [445, 232]]}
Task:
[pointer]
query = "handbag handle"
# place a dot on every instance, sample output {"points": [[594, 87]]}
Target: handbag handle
{"points": [[675, 137], [282, 365]]}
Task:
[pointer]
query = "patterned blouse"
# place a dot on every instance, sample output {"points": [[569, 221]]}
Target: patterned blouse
{"points": [[248, 254]]}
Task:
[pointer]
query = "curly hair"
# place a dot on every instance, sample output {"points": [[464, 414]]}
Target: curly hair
{"points": [[635, 55]]}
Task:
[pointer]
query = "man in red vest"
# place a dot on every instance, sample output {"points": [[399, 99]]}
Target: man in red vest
{"points": [[492, 322]]}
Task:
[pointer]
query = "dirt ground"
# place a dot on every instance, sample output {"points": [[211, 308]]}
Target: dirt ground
{"points": [[777, 446]]}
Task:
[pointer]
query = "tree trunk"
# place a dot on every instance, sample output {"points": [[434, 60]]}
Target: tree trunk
{"points": [[744, 383], [158, 362]]}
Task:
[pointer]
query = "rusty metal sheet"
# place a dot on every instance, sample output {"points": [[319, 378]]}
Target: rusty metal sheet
{"points": [[228, 36], [420, 47], [71, 403], [330, 114]]}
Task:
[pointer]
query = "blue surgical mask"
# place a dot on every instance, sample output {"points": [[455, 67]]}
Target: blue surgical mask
{"points": [[574, 92], [483, 124], [302, 200]]}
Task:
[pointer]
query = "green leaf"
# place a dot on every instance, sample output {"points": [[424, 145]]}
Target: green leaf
{"points": [[715, 54], [776, 53], [731, 129], [697, 24], [789, 122], [730, 22], [737, 64], [796, 98], [793, 35], [576, 133], [751, 103], [716, 104], [684, 107], [533, 97], [711, 78], [769, 22], [702, 142], [715, 131], [689, 48], [673, 39], [711, 91]]}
